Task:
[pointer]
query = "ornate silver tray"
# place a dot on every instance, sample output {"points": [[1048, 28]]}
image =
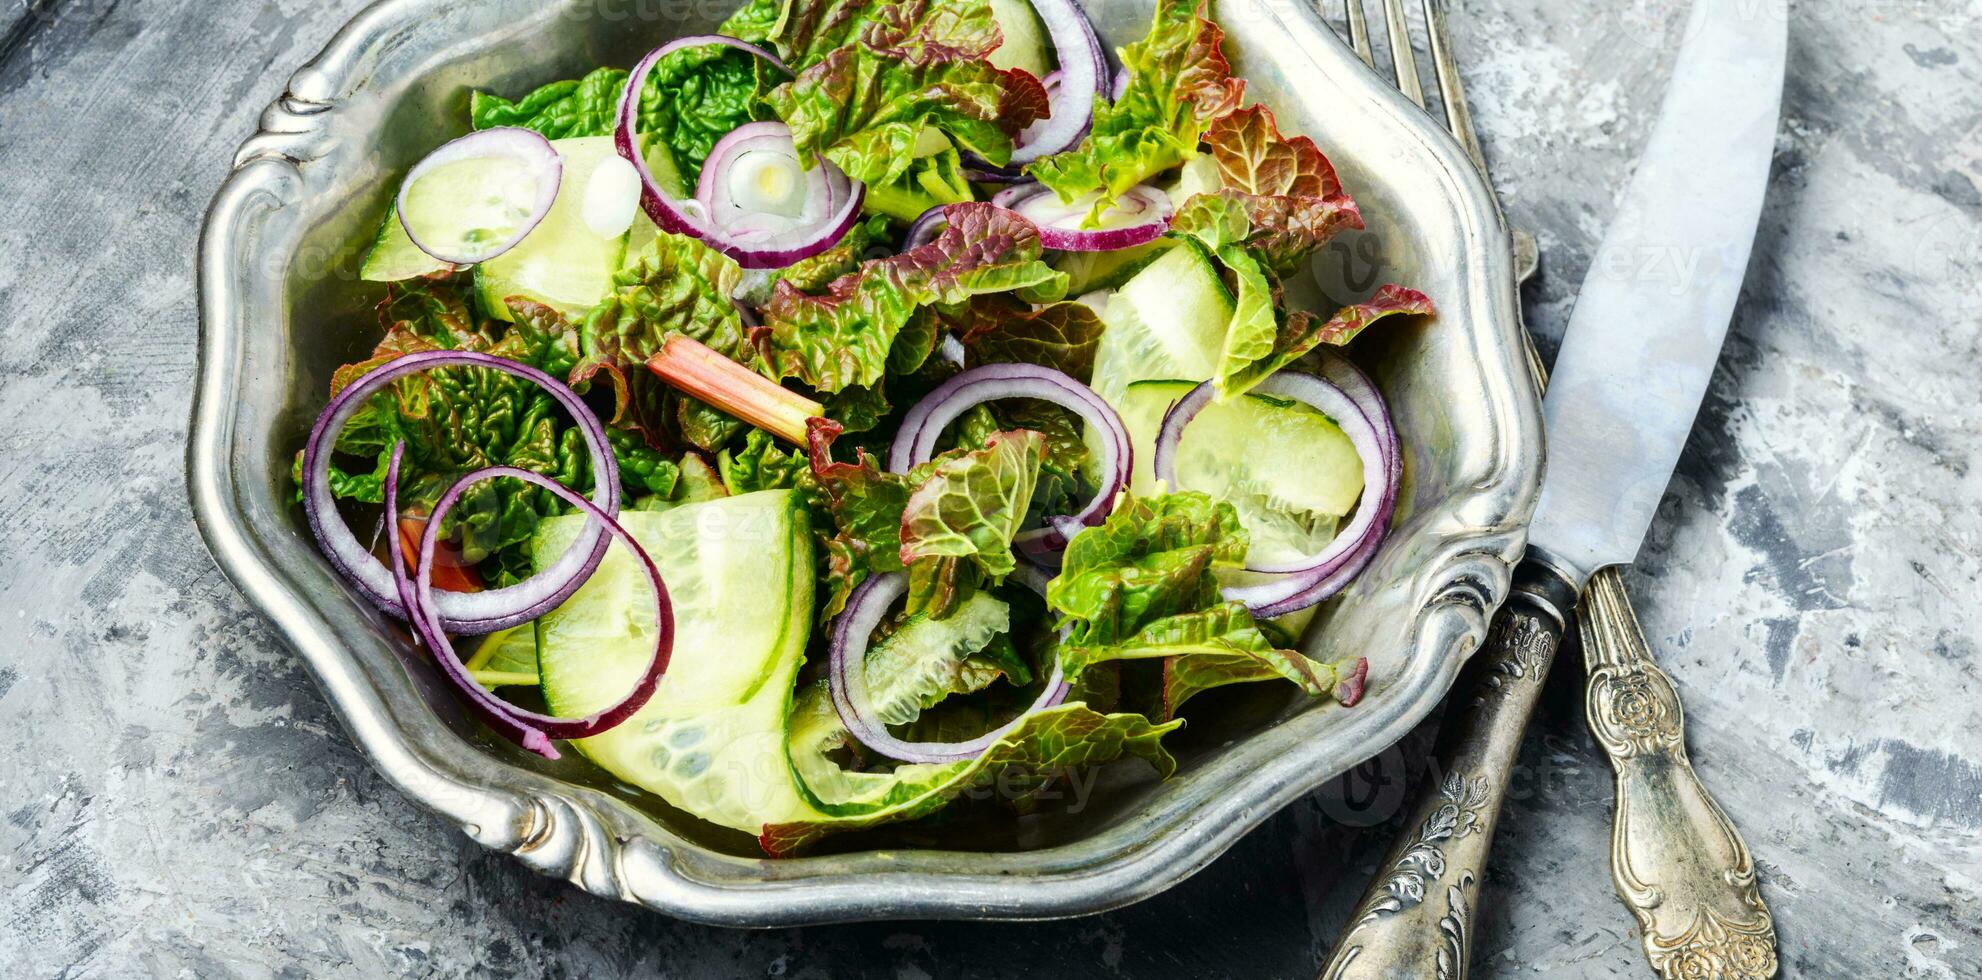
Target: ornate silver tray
{"points": [[281, 307]]}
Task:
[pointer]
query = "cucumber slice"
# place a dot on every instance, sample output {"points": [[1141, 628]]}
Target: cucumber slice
{"points": [[1089, 271], [1287, 468], [564, 263], [1026, 45], [1169, 321], [394, 257], [467, 206], [712, 739]]}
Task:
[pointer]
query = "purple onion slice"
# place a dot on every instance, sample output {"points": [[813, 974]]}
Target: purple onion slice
{"points": [[529, 729], [915, 442], [846, 679], [472, 613], [1136, 218], [755, 245], [1082, 75]]}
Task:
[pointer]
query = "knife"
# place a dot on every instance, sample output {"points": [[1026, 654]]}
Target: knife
{"points": [[1634, 364]]}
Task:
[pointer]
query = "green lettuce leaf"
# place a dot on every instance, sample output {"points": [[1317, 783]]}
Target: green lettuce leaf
{"points": [[815, 274], [1046, 742], [1007, 330], [761, 464], [1301, 332], [695, 96], [1179, 84], [1152, 558], [930, 181], [560, 110], [1261, 339], [970, 507], [873, 77], [844, 336], [677, 285], [1141, 587]]}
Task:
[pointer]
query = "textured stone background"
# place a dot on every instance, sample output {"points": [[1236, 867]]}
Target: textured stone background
{"points": [[179, 802]]}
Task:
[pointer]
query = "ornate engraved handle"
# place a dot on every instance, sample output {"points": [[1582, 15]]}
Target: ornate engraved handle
{"points": [[1678, 862], [1415, 922]]}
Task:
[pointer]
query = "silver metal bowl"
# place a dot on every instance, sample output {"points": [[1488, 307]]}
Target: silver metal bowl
{"points": [[281, 307]]}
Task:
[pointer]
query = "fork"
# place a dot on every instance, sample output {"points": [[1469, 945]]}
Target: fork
{"points": [[1677, 861]]}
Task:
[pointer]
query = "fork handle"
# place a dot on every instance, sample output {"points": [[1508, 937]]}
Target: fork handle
{"points": [[1678, 863], [1416, 920]]}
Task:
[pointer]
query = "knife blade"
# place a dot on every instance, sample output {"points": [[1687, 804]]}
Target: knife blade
{"points": [[1648, 324]]}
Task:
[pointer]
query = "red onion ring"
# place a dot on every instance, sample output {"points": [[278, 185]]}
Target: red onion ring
{"points": [[927, 226], [754, 251], [522, 145], [529, 729], [1083, 76], [714, 193], [1060, 224], [846, 679], [459, 612], [1315, 577], [1024, 189], [916, 441]]}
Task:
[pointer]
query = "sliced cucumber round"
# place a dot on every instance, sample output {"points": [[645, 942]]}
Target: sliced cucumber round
{"points": [[712, 739], [565, 263], [1287, 469]]}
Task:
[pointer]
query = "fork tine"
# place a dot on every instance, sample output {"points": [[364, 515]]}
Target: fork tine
{"points": [[1399, 26], [1451, 93], [1359, 31]]}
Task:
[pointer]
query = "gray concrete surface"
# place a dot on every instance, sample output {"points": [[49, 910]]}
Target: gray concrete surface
{"points": [[178, 802]]}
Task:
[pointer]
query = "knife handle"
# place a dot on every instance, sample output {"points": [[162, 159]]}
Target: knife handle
{"points": [[1678, 863], [1416, 920]]}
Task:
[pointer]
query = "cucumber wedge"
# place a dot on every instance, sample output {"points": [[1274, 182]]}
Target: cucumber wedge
{"points": [[1287, 468], [394, 257], [1026, 45], [1168, 321], [712, 739], [563, 264]]}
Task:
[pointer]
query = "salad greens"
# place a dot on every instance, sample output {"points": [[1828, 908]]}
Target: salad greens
{"points": [[766, 406]]}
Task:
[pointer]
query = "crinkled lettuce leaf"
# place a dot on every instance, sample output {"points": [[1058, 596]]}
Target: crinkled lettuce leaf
{"points": [[561, 110], [1007, 330], [970, 507], [676, 286], [457, 419], [1152, 558], [872, 77], [1142, 587], [1261, 338], [695, 96], [1301, 332], [1252, 156], [844, 336], [1179, 84]]}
